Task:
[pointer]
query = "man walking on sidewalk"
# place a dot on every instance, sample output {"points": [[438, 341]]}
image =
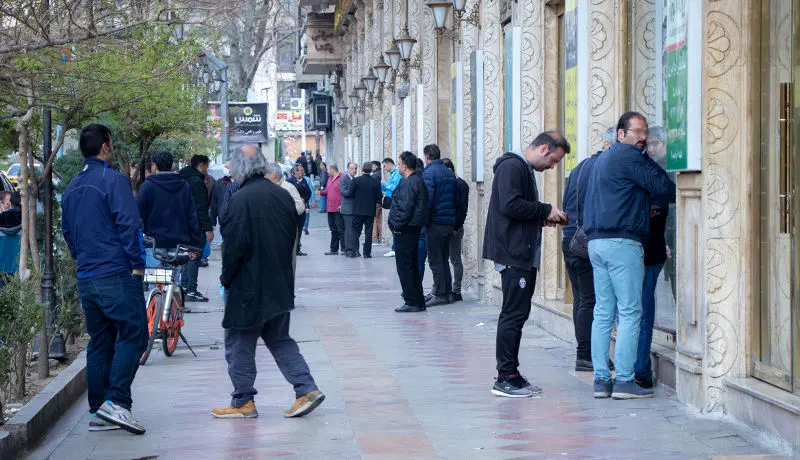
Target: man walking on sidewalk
{"points": [[616, 220], [441, 185], [513, 241], [407, 218], [103, 231], [259, 231], [347, 189]]}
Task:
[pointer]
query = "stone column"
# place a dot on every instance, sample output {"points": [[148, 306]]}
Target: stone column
{"points": [[730, 178], [429, 75]]}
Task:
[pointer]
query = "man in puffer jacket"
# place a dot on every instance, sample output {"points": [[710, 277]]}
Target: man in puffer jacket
{"points": [[441, 185]]}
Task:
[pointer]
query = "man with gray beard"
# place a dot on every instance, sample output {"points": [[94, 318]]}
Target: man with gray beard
{"points": [[258, 232]]}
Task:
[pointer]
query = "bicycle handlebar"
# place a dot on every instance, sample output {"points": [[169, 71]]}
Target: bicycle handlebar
{"points": [[171, 256]]}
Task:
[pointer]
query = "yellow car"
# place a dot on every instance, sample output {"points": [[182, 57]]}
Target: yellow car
{"points": [[13, 174]]}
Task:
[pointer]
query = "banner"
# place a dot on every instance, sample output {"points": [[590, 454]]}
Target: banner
{"points": [[246, 122], [676, 82], [571, 83], [289, 120]]}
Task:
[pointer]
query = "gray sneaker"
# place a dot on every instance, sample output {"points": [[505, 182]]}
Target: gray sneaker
{"points": [[630, 390], [602, 388], [507, 388], [97, 424], [118, 415]]}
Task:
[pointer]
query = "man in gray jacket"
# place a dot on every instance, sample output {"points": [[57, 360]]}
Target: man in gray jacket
{"points": [[347, 187]]}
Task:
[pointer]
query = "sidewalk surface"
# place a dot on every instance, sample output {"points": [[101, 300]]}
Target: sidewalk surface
{"points": [[405, 386]]}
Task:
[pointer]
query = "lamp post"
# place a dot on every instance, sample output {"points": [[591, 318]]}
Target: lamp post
{"points": [[220, 66]]}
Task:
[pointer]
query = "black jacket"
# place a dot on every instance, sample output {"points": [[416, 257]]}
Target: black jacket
{"points": [[347, 187], [258, 235], [197, 186], [514, 222], [168, 211], [224, 189], [409, 204], [323, 178], [462, 202], [655, 248], [302, 188], [367, 195]]}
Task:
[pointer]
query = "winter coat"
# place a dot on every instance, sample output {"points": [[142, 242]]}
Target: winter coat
{"points": [[168, 211], [224, 189], [441, 184], [409, 204], [259, 230], [197, 186], [367, 195], [347, 187], [462, 203]]}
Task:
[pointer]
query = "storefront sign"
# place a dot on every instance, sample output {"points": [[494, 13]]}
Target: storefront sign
{"points": [[246, 122], [288, 120], [571, 83]]}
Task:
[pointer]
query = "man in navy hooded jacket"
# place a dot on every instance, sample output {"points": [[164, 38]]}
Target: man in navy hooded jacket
{"points": [[616, 219], [103, 231], [441, 185]]}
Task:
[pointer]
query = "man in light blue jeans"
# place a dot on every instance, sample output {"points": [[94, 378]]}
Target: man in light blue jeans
{"points": [[616, 219]]}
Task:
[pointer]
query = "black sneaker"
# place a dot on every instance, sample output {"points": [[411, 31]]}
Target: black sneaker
{"points": [[630, 390], [584, 365], [457, 297], [645, 383], [195, 297], [511, 388], [331, 253], [204, 263], [406, 308], [305, 230], [603, 388], [428, 298], [610, 365], [522, 382], [436, 301]]}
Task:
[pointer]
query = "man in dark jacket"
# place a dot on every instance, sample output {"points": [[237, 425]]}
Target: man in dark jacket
{"points": [[579, 269], [462, 206], [513, 240], [347, 189], [258, 234], [298, 180], [366, 198], [617, 222], [195, 174], [224, 188], [377, 225], [442, 190], [103, 231], [323, 182], [407, 217]]}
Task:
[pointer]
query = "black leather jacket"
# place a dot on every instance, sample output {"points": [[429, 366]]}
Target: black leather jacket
{"points": [[409, 204]]}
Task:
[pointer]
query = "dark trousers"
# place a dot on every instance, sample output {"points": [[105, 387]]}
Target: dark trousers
{"points": [[116, 321], [240, 353], [438, 240], [349, 246], [366, 223], [422, 255], [455, 259], [518, 286], [336, 225], [407, 260], [582, 279], [301, 221], [189, 275]]}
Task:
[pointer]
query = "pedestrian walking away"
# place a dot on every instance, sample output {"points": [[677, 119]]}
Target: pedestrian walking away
{"points": [[441, 185], [407, 217], [259, 230], [513, 241], [367, 195], [347, 190], [102, 228], [617, 221]]}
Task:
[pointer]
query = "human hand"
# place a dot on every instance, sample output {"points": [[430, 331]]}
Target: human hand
{"points": [[557, 217], [137, 272], [210, 235]]}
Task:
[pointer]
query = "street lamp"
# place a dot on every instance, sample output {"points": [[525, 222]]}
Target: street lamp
{"points": [[221, 67], [459, 5], [380, 69], [440, 9], [353, 98], [406, 44], [370, 81], [342, 110], [362, 91], [394, 56]]}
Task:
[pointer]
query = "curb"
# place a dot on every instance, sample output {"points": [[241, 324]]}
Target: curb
{"points": [[28, 425]]}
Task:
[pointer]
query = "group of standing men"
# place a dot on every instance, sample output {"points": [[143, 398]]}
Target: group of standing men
{"points": [[615, 202]]}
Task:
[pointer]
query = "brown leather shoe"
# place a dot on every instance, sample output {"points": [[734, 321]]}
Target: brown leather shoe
{"points": [[305, 404], [248, 410]]}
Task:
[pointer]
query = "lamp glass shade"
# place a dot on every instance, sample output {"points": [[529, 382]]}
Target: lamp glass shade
{"points": [[440, 10], [342, 110], [370, 81], [353, 97], [406, 44], [380, 71], [459, 5], [362, 92], [394, 56]]}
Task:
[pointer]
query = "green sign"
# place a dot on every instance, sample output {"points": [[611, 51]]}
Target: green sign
{"points": [[676, 83]]}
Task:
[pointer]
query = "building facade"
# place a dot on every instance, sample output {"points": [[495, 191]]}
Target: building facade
{"points": [[716, 77]]}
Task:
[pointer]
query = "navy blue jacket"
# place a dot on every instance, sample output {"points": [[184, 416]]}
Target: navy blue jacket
{"points": [[462, 203], [441, 185], [620, 189], [168, 211], [101, 223], [570, 202]]}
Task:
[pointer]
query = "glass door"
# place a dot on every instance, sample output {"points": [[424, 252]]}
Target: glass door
{"points": [[778, 314]]}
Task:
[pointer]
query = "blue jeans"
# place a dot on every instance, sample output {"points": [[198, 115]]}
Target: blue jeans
{"points": [[117, 324], [618, 266], [643, 369], [323, 203]]}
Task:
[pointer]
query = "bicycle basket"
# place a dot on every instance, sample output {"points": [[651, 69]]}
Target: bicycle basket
{"points": [[158, 275]]}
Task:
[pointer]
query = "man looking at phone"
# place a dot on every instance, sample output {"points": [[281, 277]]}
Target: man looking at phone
{"points": [[514, 242]]}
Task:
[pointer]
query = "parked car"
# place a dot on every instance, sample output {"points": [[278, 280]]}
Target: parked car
{"points": [[14, 170]]}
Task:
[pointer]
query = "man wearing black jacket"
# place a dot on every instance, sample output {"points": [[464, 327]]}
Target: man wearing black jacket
{"points": [[462, 205], [407, 217], [366, 198], [194, 174], [513, 240], [224, 188], [298, 180]]}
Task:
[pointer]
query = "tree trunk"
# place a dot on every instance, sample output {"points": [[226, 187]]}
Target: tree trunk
{"points": [[24, 147], [20, 368], [32, 190]]}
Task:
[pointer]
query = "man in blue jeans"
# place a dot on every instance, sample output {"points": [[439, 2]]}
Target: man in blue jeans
{"points": [[621, 188], [102, 229]]}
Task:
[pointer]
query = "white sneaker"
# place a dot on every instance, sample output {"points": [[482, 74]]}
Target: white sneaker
{"points": [[118, 415], [389, 254]]}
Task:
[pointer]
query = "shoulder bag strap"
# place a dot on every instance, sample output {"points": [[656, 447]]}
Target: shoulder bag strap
{"points": [[579, 217]]}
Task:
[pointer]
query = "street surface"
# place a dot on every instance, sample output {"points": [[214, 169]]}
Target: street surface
{"points": [[404, 386]]}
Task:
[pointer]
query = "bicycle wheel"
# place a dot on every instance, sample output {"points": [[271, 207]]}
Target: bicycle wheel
{"points": [[174, 324], [155, 307]]}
